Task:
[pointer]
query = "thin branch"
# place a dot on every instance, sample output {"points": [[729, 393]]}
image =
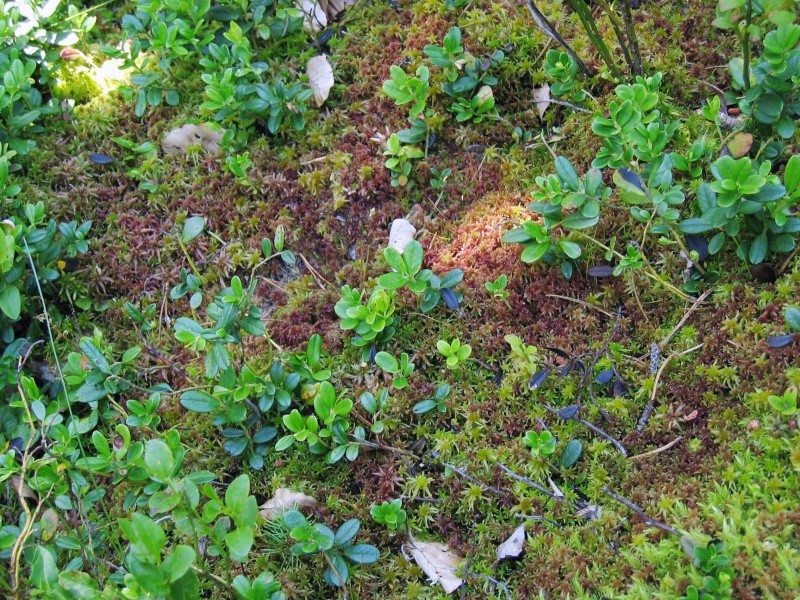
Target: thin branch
{"points": [[694, 306], [529, 482], [650, 406], [630, 31], [468, 477], [635, 508], [615, 442], [541, 518], [582, 303], [341, 579], [591, 426], [547, 28], [562, 103], [383, 447]]}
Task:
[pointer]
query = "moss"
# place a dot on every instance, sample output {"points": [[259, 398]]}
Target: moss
{"points": [[732, 475]]}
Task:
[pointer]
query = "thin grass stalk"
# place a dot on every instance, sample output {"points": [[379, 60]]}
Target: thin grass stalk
{"points": [[617, 26], [590, 25], [630, 30], [746, 45]]}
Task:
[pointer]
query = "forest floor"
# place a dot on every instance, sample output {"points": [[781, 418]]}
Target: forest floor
{"points": [[712, 461]]}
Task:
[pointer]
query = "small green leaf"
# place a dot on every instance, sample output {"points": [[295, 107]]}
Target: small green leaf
{"points": [[362, 553], [239, 542], [78, 585], [792, 316], [192, 228], [571, 249], [158, 459], [199, 402], [387, 362], [10, 301], [758, 250], [179, 562], [44, 571], [347, 531], [94, 355], [571, 454]]}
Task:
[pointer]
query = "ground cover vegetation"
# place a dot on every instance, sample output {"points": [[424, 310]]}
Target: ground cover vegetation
{"points": [[576, 378]]}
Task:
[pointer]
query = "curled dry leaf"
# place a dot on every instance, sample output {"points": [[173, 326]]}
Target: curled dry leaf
{"points": [[513, 546], [283, 500], [179, 139], [314, 17], [320, 77], [400, 234], [22, 488], [70, 53], [541, 96], [438, 561], [334, 7]]}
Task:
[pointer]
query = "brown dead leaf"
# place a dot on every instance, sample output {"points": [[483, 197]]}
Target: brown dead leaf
{"points": [[22, 488]]}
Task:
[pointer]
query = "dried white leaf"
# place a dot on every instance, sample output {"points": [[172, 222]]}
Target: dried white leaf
{"points": [[178, 140], [314, 17], [400, 234], [283, 500], [438, 561], [513, 546], [210, 139], [557, 493], [320, 77], [542, 97], [484, 93]]}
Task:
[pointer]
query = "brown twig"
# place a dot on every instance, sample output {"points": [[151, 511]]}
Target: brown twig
{"points": [[658, 450], [319, 278], [694, 306], [582, 303]]}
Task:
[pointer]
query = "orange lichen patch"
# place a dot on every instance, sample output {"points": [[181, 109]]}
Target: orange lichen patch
{"points": [[475, 246]]}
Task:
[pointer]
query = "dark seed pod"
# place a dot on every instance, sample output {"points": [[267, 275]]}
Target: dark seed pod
{"points": [[601, 271], [568, 412], [17, 445], [697, 243], [450, 299], [538, 379], [631, 178], [780, 341], [99, 158], [603, 377]]}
